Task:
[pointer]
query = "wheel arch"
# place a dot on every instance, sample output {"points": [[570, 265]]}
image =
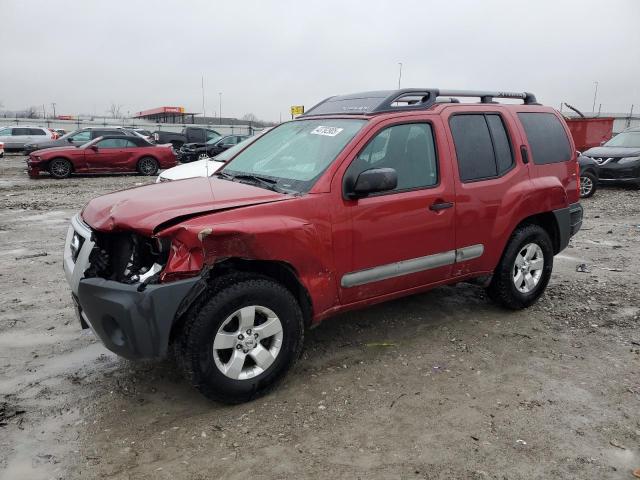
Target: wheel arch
{"points": [[280, 271], [60, 157], [549, 222]]}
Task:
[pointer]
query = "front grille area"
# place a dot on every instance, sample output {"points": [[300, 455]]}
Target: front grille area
{"points": [[605, 160], [125, 257]]}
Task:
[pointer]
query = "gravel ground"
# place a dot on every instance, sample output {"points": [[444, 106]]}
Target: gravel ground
{"points": [[438, 385]]}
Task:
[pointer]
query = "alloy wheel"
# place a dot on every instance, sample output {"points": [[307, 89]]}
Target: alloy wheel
{"points": [[248, 342], [527, 268], [586, 186]]}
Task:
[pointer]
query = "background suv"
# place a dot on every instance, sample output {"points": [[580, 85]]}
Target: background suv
{"points": [[619, 159], [15, 138]]}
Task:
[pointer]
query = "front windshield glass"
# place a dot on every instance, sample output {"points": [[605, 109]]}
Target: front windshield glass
{"points": [[294, 154], [625, 139]]}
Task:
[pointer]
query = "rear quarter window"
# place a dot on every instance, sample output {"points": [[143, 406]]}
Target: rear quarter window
{"points": [[547, 138]]}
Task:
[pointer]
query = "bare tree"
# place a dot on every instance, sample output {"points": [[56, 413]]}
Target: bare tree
{"points": [[250, 117], [114, 110], [30, 112]]}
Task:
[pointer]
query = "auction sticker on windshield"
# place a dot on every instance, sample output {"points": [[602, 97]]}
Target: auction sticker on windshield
{"points": [[326, 131]]}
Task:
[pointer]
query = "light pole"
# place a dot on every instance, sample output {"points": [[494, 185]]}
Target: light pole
{"points": [[204, 112], [595, 94], [53, 104], [220, 107], [399, 75]]}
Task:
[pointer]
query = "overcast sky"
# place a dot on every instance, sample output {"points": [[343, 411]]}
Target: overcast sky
{"points": [[267, 55]]}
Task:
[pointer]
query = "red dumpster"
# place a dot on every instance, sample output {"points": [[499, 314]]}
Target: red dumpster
{"points": [[590, 132]]}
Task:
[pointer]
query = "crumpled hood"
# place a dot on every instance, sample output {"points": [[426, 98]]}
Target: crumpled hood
{"points": [[608, 152], [143, 209]]}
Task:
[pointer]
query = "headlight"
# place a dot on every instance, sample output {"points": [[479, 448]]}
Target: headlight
{"points": [[628, 160]]}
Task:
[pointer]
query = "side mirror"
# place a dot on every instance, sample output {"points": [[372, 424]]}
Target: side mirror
{"points": [[70, 140], [372, 181], [94, 148]]}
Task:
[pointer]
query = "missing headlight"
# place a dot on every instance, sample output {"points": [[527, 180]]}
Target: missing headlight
{"points": [[127, 257]]}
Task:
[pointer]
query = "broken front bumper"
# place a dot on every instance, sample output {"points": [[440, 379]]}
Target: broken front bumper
{"points": [[131, 321]]}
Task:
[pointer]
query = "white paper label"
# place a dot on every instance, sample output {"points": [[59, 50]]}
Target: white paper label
{"points": [[326, 131]]}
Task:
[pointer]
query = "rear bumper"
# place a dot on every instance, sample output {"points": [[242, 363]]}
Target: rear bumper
{"points": [[569, 221]]}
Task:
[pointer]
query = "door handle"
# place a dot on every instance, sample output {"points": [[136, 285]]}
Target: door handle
{"points": [[437, 206]]}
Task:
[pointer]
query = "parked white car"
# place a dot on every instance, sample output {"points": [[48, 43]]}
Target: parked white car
{"points": [[207, 166], [15, 137]]}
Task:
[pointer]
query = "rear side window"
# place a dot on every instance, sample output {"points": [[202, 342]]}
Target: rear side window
{"points": [[482, 146], [547, 138], [36, 131]]}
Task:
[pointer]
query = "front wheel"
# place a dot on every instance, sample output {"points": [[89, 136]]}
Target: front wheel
{"points": [[524, 269], [237, 345], [588, 184], [148, 166], [60, 168]]}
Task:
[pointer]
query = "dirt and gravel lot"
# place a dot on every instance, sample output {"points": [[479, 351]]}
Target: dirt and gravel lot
{"points": [[439, 385]]}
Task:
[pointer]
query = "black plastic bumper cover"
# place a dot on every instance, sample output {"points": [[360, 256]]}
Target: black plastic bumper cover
{"points": [[569, 221], [130, 323]]}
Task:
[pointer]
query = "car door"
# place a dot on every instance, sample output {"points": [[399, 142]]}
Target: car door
{"points": [[492, 183], [105, 156], [39, 135], [19, 137], [404, 238]]}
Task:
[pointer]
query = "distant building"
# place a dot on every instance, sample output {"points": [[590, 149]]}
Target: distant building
{"points": [[166, 115]]}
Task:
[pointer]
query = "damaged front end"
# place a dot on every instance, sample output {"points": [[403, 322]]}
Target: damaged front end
{"points": [[128, 257], [121, 289]]}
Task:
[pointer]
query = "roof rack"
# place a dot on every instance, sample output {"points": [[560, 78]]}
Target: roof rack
{"points": [[406, 99]]}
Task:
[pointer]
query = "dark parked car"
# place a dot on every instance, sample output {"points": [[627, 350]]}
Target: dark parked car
{"points": [[188, 135], [108, 154], [619, 159], [588, 176], [78, 137], [197, 151]]}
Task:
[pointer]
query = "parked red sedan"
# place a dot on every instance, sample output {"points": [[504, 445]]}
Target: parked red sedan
{"points": [[107, 154]]}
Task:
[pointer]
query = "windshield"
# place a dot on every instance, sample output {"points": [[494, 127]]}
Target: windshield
{"points": [[213, 140], [625, 139], [295, 154], [229, 153]]}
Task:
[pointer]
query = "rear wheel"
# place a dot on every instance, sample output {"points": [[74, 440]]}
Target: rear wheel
{"points": [[148, 166], [237, 345], [588, 184], [524, 270], [60, 168]]}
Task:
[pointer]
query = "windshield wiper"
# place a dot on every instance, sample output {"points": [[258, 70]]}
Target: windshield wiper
{"points": [[268, 183], [225, 175]]}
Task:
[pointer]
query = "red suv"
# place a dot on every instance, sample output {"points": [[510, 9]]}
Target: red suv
{"points": [[365, 198]]}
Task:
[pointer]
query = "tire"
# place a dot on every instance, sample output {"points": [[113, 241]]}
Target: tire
{"points": [[60, 168], [588, 184], [511, 291], [147, 166], [227, 368]]}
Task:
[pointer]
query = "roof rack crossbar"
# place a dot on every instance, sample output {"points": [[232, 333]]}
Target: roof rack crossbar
{"points": [[407, 99]]}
